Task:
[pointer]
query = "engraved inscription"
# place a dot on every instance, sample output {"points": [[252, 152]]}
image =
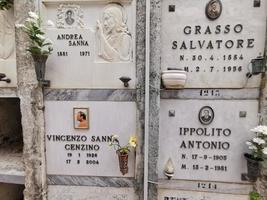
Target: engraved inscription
{"points": [[93, 38], [215, 47], [203, 140]]}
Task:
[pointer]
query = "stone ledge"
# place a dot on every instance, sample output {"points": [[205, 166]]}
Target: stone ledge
{"points": [[90, 95], [11, 166], [90, 181], [8, 92], [225, 188], [213, 94]]}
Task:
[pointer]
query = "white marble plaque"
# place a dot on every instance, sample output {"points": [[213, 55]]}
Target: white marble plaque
{"points": [[89, 193], [94, 44], [7, 48], [211, 152], [72, 151], [165, 194], [215, 53]]}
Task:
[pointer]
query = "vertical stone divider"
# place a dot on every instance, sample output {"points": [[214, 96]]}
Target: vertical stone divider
{"points": [[32, 110], [140, 95], [261, 184], [154, 103]]}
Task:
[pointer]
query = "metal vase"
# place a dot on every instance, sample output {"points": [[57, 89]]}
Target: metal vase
{"points": [[40, 64], [123, 162], [254, 167]]}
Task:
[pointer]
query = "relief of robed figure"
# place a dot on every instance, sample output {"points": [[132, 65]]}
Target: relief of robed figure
{"points": [[115, 41], [7, 34]]}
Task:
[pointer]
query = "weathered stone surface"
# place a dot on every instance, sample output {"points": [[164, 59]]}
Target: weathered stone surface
{"points": [[261, 184], [31, 110], [11, 164], [154, 95], [140, 97], [8, 92]]}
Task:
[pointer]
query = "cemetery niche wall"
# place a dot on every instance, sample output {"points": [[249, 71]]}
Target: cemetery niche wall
{"points": [[92, 96], [97, 89], [203, 128]]}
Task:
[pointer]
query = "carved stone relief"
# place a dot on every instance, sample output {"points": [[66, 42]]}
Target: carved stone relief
{"points": [[69, 16], [114, 38], [7, 34]]}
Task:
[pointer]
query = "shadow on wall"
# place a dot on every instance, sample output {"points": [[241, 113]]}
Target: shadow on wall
{"points": [[10, 124], [11, 191]]}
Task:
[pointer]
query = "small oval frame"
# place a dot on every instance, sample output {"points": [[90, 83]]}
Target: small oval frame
{"points": [[200, 116], [214, 14]]}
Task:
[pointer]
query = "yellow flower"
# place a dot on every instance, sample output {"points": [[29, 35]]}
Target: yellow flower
{"points": [[132, 141]]}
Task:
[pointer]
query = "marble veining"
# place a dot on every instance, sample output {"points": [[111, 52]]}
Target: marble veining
{"points": [[90, 181], [89, 95]]}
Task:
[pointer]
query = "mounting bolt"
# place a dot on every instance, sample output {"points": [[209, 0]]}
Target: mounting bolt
{"points": [[171, 8], [242, 114], [257, 3], [171, 113]]}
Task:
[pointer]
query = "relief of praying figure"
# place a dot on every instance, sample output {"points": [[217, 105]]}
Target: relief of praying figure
{"points": [[115, 41], [7, 34]]}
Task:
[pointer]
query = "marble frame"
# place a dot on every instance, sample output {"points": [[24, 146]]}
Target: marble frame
{"points": [[62, 16], [85, 111]]}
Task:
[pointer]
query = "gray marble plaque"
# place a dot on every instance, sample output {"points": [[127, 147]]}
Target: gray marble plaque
{"points": [[94, 43], [216, 53], [165, 194], [86, 152], [202, 151], [89, 193]]}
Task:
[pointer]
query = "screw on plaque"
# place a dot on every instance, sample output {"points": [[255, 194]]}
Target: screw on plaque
{"points": [[171, 113], [242, 114], [257, 3], [171, 8]]}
